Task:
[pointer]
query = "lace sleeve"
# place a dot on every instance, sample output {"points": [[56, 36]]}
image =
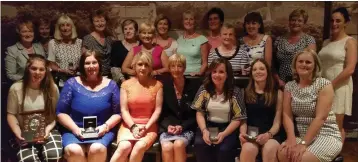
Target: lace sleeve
{"points": [[115, 99], [64, 103]]}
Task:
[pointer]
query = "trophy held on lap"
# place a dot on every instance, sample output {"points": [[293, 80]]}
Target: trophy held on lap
{"points": [[34, 126], [89, 127]]}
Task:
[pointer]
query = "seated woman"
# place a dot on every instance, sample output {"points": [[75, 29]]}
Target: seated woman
{"points": [[228, 49], [141, 104], [89, 94], [309, 99], [17, 55], [264, 111], [36, 93], [159, 57], [177, 121], [220, 105]]}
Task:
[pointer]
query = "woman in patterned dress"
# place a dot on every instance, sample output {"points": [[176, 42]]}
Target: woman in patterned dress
{"points": [[141, 104], [285, 47], [308, 100], [64, 51], [255, 41], [99, 39], [339, 57]]}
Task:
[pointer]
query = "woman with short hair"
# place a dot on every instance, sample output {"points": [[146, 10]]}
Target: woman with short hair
{"points": [[214, 19], [162, 26]]}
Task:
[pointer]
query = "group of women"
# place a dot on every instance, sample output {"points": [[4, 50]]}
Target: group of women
{"points": [[158, 101]]}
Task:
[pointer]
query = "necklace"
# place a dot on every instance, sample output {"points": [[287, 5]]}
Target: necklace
{"points": [[186, 36], [178, 91]]}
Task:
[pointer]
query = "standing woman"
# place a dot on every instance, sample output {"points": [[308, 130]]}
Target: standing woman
{"points": [[255, 41], [141, 104], [288, 45], [177, 121], [339, 57], [121, 48], [193, 46], [264, 112], [162, 26], [64, 51], [88, 95], [18, 54], [36, 93], [214, 19], [220, 105], [308, 100], [99, 39], [44, 31], [160, 58]]}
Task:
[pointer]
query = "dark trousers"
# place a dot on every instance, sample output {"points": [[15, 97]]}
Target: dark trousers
{"points": [[223, 152]]}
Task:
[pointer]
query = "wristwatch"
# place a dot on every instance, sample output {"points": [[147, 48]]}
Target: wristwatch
{"points": [[303, 143]]}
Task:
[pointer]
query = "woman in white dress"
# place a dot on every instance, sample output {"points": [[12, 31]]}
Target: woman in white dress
{"points": [[339, 58]]}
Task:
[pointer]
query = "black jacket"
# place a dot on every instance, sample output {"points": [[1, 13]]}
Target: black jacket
{"points": [[172, 113]]}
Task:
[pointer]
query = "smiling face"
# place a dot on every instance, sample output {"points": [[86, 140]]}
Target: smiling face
{"points": [[219, 75], [188, 22], [146, 36], [91, 66], [296, 24], [26, 34], [66, 29], [163, 27], [259, 72], [252, 27], [176, 69], [129, 31], [99, 23], [305, 65], [214, 22], [142, 68], [338, 23], [227, 36], [44, 30], [37, 71]]}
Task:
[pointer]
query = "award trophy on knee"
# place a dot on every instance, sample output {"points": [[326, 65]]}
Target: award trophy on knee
{"points": [[89, 127], [34, 127]]}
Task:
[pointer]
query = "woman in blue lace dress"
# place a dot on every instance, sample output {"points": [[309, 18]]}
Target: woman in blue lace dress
{"points": [[88, 95]]}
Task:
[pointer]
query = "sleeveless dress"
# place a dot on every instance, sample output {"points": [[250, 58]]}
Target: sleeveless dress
{"points": [[328, 142], [333, 55], [256, 51], [141, 105], [156, 55]]}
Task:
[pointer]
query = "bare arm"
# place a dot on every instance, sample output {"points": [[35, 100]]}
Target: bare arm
{"points": [[204, 51], [67, 122], [14, 124], [350, 63], [158, 109], [278, 116], [200, 119], [126, 66], [243, 127], [268, 50], [165, 60], [288, 117], [312, 47], [324, 104], [127, 118], [234, 124]]}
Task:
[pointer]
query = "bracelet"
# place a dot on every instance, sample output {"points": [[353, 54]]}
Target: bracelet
{"points": [[203, 129], [107, 127], [270, 134], [133, 126]]}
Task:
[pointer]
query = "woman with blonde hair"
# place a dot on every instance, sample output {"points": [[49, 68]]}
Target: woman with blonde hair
{"points": [[141, 103], [308, 100], [64, 51], [159, 57], [36, 94]]}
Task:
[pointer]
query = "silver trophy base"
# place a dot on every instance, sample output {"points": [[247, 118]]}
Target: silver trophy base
{"points": [[90, 135]]}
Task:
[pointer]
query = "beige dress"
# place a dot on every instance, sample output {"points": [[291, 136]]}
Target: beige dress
{"points": [[333, 55]]}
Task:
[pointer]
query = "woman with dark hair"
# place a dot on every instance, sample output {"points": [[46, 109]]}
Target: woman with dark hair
{"points": [[220, 108], [339, 57], [308, 100], [17, 55], [162, 25], [288, 45], [99, 39], [264, 111], [214, 20], [89, 94], [121, 48], [44, 33], [255, 41], [35, 94]]}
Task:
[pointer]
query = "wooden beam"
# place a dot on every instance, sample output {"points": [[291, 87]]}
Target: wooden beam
{"points": [[327, 19]]}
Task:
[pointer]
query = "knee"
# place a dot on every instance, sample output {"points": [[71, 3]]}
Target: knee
{"points": [[140, 146], [97, 148], [124, 147], [179, 145], [167, 146], [74, 150], [271, 146], [50, 155], [249, 148], [27, 156], [281, 154]]}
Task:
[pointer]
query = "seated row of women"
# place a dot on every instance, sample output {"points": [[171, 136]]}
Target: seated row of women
{"points": [[148, 109]]}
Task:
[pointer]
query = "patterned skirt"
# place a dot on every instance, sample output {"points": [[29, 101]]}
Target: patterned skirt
{"points": [[186, 136]]}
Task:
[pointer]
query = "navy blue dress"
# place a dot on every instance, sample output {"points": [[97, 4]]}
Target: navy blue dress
{"points": [[78, 102]]}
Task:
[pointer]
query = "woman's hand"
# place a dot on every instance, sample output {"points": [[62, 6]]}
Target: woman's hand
{"points": [[262, 138], [178, 129], [102, 130], [78, 132], [242, 138], [288, 146], [20, 140], [281, 83], [171, 129], [297, 152], [206, 137], [142, 131], [220, 138], [47, 134]]}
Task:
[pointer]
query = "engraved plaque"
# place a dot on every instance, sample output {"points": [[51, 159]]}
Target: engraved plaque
{"points": [[34, 127], [89, 126]]}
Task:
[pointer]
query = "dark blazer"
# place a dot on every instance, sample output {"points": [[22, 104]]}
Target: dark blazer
{"points": [[172, 113]]}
